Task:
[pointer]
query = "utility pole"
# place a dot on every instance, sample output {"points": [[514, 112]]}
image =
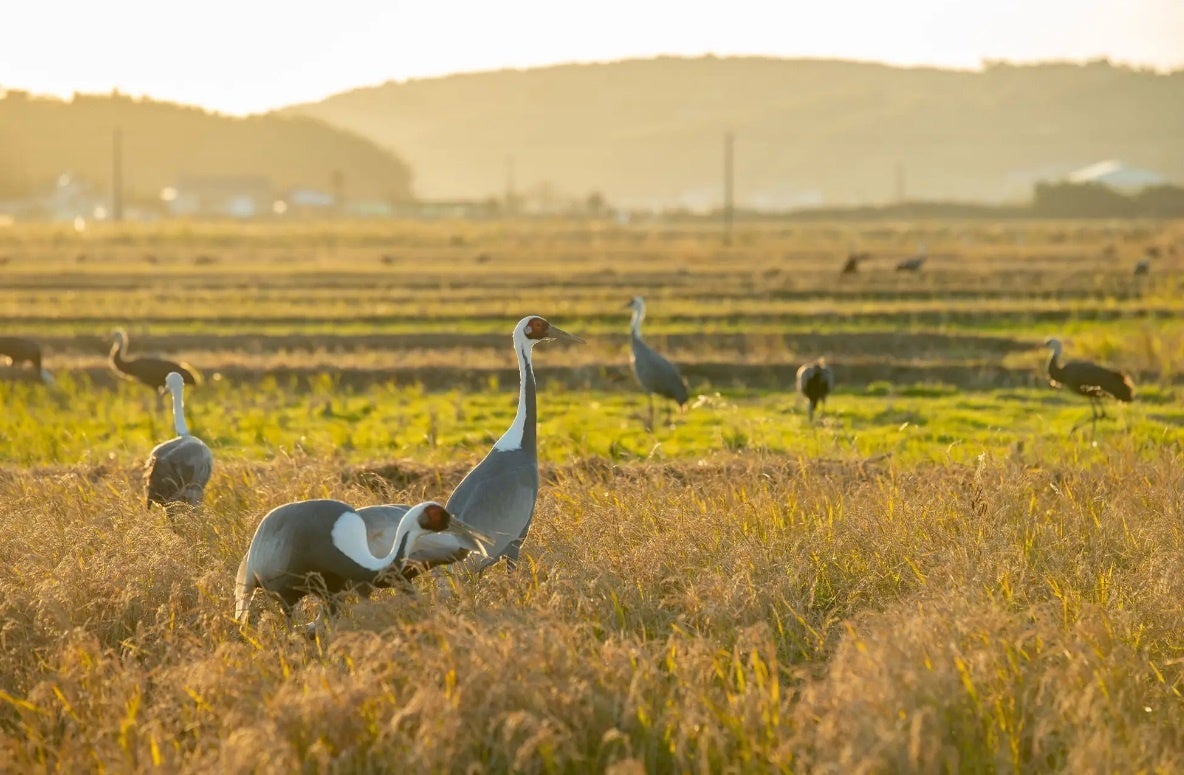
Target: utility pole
{"points": [[117, 175], [729, 142], [511, 194]]}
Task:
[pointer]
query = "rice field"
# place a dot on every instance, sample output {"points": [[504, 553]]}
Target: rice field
{"points": [[936, 575]]}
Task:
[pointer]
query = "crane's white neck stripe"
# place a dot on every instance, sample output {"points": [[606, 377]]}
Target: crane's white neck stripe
{"points": [[179, 414], [638, 316], [512, 439], [349, 536]]}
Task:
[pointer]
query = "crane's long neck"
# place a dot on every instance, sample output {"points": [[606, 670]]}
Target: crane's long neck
{"points": [[521, 434], [117, 354], [638, 316], [179, 413], [1054, 370], [349, 535]]}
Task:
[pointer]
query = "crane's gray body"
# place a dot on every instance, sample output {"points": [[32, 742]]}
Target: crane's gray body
{"points": [[815, 381], [178, 470], [497, 498], [325, 547], [292, 555], [654, 372]]}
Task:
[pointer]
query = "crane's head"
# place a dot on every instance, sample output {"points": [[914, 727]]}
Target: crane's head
{"points": [[637, 304], [119, 337], [430, 517], [533, 329], [174, 382], [1053, 344]]}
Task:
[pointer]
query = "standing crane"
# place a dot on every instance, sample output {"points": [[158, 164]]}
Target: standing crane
{"points": [[326, 548], [148, 371], [19, 350], [178, 469], [1090, 380], [497, 497], [815, 381], [654, 372]]}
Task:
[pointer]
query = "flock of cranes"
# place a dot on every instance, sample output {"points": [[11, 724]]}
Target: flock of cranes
{"points": [[327, 547]]}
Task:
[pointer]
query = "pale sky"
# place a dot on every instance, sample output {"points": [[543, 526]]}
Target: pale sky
{"points": [[243, 56]]}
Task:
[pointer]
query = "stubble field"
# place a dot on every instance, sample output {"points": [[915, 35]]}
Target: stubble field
{"points": [[936, 575]]}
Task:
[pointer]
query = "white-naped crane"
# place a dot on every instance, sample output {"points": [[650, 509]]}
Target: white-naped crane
{"points": [[150, 371], [914, 262], [20, 350], [178, 470], [654, 372], [327, 548], [1090, 380], [815, 381], [497, 497], [1143, 266]]}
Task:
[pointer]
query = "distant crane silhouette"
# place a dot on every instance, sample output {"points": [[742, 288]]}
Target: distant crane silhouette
{"points": [[854, 259], [148, 371], [1090, 380], [654, 372], [815, 381], [913, 263], [22, 350], [1143, 266]]}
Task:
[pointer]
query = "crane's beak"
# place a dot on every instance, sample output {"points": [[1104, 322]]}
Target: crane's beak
{"points": [[558, 334], [467, 537]]}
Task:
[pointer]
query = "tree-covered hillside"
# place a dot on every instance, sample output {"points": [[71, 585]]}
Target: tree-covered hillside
{"points": [[42, 138], [651, 132]]}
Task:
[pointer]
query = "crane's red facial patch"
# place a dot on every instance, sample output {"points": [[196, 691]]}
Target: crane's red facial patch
{"points": [[434, 518], [537, 328]]}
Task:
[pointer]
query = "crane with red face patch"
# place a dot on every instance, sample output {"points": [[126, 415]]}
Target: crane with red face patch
{"points": [[497, 497], [327, 547], [1090, 380], [149, 371]]}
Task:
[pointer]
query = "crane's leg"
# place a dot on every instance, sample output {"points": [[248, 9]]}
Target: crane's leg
{"points": [[650, 427]]}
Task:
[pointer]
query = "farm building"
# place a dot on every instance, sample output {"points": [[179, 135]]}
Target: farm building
{"points": [[1117, 175]]}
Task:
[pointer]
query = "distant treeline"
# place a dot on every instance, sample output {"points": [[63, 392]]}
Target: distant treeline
{"points": [[44, 138], [1051, 200]]}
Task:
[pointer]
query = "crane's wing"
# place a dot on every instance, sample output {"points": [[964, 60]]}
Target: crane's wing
{"points": [[657, 374], [497, 499]]}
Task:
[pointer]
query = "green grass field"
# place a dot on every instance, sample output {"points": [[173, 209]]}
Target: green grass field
{"points": [[937, 575]]}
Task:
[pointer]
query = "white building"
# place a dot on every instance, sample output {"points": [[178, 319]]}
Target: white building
{"points": [[1116, 175]]}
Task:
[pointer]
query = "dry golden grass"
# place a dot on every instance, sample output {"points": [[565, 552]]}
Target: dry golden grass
{"points": [[744, 613]]}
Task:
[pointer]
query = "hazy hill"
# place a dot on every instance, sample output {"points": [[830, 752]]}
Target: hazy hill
{"points": [[42, 138], [651, 131]]}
